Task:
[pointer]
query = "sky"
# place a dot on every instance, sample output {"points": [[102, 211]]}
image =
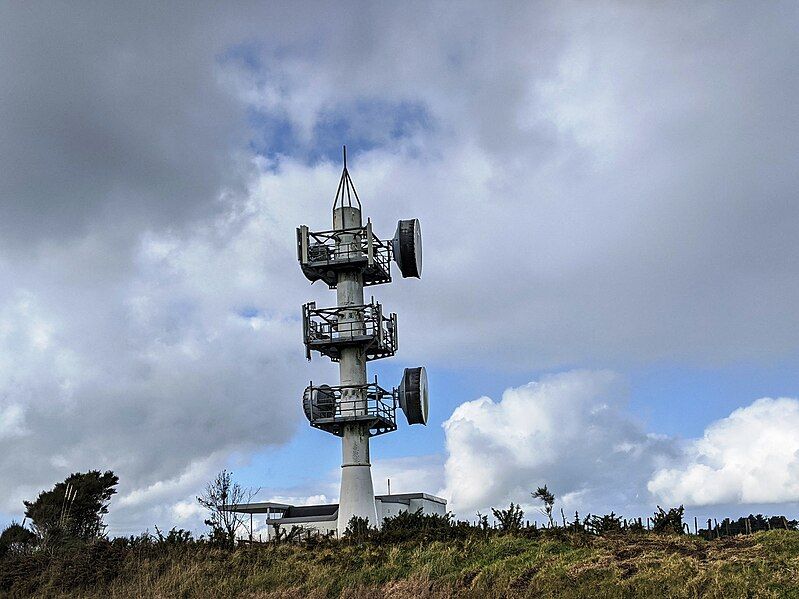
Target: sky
{"points": [[608, 200]]}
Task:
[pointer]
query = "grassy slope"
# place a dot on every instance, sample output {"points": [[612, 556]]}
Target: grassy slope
{"points": [[760, 565]]}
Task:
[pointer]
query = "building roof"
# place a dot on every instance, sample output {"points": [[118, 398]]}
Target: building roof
{"points": [[292, 514], [406, 497], [304, 511], [257, 508], [308, 513]]}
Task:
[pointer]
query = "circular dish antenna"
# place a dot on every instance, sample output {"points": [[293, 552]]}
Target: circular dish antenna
{"points": [[413, 395], [318, 402], [407, 244]]}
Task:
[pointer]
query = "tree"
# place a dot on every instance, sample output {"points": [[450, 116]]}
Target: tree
{"points": [[217, 497], [73, 508], [543, 494]]}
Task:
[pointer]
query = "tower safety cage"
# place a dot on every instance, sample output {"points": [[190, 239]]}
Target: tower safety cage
{"points": [[323, 254], [328, 330], [332, 408]]}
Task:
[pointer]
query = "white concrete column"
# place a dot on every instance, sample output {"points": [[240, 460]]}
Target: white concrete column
{"points": [[357, 497]]}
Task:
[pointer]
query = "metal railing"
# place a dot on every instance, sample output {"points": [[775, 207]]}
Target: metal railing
{"points": [[327, 329], [321, 251], [329, 407]]}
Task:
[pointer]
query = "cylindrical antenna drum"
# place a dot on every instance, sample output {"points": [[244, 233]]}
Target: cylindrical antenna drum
{"points": [[318, 402], [407, 244], [413, 398]]}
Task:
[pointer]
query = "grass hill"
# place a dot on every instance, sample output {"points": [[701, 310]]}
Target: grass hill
{"points": [[555, 563]]}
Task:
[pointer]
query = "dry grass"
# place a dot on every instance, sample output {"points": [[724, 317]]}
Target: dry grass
{"points": [[760, 565]]}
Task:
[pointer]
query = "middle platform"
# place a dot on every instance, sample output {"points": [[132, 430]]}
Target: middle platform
{"points": [[328, 330]]}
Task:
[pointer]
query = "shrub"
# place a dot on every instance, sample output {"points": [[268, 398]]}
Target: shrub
{"points": [[668, 522], [358, 529], [510, 520], [419, 527], [175, 536], [16, 539], [600, 525]]}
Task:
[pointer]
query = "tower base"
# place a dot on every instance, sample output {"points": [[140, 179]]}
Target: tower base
{"points": [[357, 496]]}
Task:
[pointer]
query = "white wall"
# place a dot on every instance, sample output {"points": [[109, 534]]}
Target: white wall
{"points": [[389, 509], [428, 507]]}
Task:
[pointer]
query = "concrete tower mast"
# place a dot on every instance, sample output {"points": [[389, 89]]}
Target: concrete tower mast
{"points": [[347, 258]]}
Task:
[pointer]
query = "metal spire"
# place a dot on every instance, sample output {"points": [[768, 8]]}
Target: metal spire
{"points": [[346, 189]]}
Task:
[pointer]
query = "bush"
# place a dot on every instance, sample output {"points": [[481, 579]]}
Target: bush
{"points": [[668, 522], [600, 525], [358, 529], [16, 539], [510, 520], [420, 528]]}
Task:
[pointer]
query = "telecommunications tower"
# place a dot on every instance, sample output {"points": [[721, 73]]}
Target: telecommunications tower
{"points": [[348, 258]]}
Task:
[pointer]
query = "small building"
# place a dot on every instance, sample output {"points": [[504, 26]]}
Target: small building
{"points": [[323, 519]]}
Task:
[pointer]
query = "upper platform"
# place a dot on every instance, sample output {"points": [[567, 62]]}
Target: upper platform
{"points": [[323, 254]]}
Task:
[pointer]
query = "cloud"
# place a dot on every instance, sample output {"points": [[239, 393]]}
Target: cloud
{"points": [[159, 374], [410, 474], [572, 432], [751, 456], [569, 431], [624, 205], [12, 421]]}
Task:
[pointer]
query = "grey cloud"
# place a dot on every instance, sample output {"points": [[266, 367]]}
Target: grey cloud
{"points": [[107, 114]]}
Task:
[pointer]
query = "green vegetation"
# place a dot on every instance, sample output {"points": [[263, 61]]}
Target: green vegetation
{"points": [[551, 563], [66, 554], [72, 509]]}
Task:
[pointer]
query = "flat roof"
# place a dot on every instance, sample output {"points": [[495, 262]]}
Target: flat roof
{"points": [[297, 520], [405, 497], [324, 511], [257, 508], [306, 511]]}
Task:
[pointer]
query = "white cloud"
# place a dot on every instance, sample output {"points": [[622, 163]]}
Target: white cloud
{"points": [[569, 431], [188, 511], [751, 456], [410, 474], [572, 431]]}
